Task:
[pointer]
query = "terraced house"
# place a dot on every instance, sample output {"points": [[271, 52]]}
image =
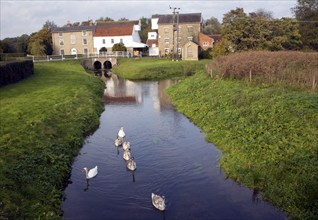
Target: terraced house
{"points": [[72, 40]]}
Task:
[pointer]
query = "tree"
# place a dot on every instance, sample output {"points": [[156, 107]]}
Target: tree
{"points": [[119, 47], [145, 24], [259, 31], [211, 26], [123, 19], [40, 43], [49, 25], [306, 13], [104, 19], [222, 48]]}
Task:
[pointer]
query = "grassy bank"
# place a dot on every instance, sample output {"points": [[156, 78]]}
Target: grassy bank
{"points": [[43, 121], [269, 136], [152, 69]]}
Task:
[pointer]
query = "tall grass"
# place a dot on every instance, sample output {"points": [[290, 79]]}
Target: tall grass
{"points": [[152, 68], [43, 121], [268, 136], [282, 67]]}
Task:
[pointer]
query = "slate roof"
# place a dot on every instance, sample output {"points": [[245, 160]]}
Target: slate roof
{"points": [[74, 28], [118, 28], [183, 18]]}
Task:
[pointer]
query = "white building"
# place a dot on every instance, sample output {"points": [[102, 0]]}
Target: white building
{"points": [[109, 33], [152, 43]]}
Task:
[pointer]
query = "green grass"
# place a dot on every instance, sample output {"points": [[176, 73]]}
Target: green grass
{"points": [[268, 136], [155, 68], [43, 121]]}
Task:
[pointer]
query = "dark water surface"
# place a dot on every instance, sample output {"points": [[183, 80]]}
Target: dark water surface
{"points": [[172, 157]]}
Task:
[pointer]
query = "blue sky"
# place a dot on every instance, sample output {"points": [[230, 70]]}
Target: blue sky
{"points": [[27, 16]]}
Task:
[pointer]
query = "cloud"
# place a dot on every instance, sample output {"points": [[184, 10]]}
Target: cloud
{"points": [[25, 17]]}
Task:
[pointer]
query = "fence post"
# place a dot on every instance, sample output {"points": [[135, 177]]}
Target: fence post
{"points": [[250, 75]]}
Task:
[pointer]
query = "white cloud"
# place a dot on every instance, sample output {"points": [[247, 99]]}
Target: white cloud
{"points": [[25, 17]]}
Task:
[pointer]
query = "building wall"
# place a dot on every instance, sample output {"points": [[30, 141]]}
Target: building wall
{"points": [[98, 42], [190, 51], [187, 31], [72, 41]]}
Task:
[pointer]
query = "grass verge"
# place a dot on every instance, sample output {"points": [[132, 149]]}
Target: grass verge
{"points": [[268, 137], [43, 121], [155, 68]]}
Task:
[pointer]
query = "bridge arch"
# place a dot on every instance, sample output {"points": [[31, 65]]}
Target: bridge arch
{"points": [[97, 65], [107, 65]]}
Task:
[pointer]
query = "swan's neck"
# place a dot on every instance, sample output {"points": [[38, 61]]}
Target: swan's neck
{"points": [[86, 172]]}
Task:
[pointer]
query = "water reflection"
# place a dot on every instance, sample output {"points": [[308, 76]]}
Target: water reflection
{"points": [[173, 160]]}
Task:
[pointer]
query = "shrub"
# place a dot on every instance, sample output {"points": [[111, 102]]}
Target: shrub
{"points": [[15, 71]]}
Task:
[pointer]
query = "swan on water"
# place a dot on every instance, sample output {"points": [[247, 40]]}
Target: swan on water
{"points": [[131, 164], [126, 145], [121, 133], [126, 155], [90, 173], [158, 201], [118, 142]]}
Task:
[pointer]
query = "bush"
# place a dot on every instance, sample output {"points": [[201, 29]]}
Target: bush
{"points": [[288, 67], [15, 71]]}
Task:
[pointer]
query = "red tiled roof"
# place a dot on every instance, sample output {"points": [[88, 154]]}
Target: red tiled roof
{"points": [[123, 28], [150, 42]]}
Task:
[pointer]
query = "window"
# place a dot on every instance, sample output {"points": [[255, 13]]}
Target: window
{"points": [[166, 40], [179, 39], [189, 53], [121, 40], [104, 41], [190, 38], [112, 41], [61, 42], [205, 44], [152, 36], [166, 30], [190, 28], [85, 51], [84, 33], [167, 50], [179, 51], [60, 34], [73, 39], [62, 52], [84, 41]]}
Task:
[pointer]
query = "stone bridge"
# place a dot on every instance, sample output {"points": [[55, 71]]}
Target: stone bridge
{"points": [[99, 63]]}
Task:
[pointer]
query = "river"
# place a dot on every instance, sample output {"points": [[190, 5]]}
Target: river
{"points": [[173, 159]]}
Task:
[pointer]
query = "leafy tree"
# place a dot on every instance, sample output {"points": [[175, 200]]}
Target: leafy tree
{"points": [[104, 19], [49, 25], [123, 19], [211, 26], [40, 43], [259, 31], [119, 47], [222, 48], [145, 24], [306, 13], [15, 44]]}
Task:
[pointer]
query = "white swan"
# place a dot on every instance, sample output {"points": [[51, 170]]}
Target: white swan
{"points": [[131, 164], [126, 145], [158, 201], [90, 173], [121, 133], [126, 155], [118, 142]]}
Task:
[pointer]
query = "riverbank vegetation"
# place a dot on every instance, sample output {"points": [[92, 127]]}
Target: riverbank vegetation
{"points": [[266, 131], [155, 68], [43, 121]]}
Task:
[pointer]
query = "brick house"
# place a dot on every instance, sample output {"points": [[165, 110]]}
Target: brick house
{"points": [[169, 39], [73, 40], [205, 41]]}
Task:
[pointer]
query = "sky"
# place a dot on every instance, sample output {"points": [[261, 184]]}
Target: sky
{"points": [[20, 17]]}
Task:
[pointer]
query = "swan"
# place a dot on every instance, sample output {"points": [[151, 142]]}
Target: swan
{"points": [[126, 155], [90, 173], [131, 164], [158, 201], [126, 145], [118, 142], [121, 133]]}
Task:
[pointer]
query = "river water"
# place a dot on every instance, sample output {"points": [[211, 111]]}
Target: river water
{"points": [[173, 159]]}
